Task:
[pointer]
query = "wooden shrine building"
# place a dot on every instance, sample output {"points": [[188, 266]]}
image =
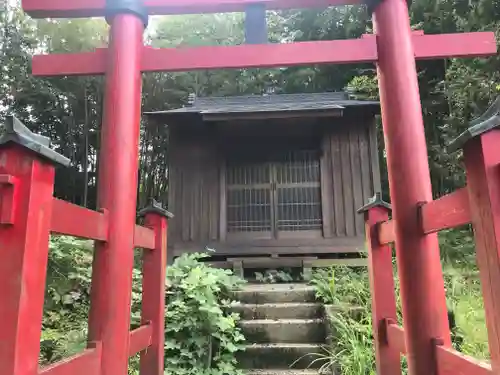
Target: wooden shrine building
{"points": [[274, 175]]}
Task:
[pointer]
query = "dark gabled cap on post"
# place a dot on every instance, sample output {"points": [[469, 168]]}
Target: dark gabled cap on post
{"points": [[483, 124], [375, 201], [155, 207], [16, 132], [256, 24], [136, 7]]}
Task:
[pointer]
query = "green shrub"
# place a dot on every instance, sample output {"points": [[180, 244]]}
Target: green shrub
{"points": [[201, 334], [457, 248], [274, 276], [67, 298], [463, 292], [352, 350], [64, 326], [342, 285]]}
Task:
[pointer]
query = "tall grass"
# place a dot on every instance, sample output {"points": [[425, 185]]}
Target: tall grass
{"points": [[342, 285], [463, 291], [351, 351]]}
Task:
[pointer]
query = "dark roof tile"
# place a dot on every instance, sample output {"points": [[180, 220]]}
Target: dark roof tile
{"points": [[269, 103]]}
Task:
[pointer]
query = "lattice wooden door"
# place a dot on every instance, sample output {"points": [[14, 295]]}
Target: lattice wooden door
{"points": [[278, 198]]}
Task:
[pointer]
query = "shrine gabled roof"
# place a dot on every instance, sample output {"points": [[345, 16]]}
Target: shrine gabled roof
{"points": [[272, 103]]}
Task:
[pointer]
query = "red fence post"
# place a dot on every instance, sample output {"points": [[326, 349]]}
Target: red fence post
{"points": [[418, 258], [482, 161], [109, 320], [26, 188], [380, 268], [153, 289]]}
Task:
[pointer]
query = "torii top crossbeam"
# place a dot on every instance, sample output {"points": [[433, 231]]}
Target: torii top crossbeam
{"points": [[96, 8], [393, 50], [362, 50]]}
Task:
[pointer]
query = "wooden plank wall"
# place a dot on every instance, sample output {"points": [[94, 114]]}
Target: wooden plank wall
{"points": [[194, 192], [347, 154], [350, 175]]}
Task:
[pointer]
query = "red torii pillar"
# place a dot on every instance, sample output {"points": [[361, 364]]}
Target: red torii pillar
{"points": [[109, 318], [394, 51], [418, 259]]}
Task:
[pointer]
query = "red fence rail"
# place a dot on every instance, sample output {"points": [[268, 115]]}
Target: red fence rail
{"points": [[140, 339], [92, 225], [448, 360], [28, 214], [395, 337], [386, 233], [144, 237], [7, 186], [451, 362], [73, 220], [447, 212], [86, 363], [477, 203]]}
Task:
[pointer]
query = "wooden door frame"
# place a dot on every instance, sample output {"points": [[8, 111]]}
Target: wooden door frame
{"points": [[324, 232]]}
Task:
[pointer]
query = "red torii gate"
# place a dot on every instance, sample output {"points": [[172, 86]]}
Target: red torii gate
{"points": [[28, 212]]}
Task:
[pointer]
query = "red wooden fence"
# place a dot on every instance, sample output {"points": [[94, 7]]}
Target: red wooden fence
{"points": [[477, 203], [29, 213]]}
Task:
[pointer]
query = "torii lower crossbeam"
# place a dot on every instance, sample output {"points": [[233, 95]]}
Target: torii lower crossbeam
{"points": [[363, 50]]}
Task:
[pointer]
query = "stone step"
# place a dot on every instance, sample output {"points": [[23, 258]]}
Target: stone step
{"points": [[279, 356], [282, 372], [279, 310], [284, 330], [276, 293]]}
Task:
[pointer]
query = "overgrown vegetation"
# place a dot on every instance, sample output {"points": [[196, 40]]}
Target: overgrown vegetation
{"points": [[463, 291], [352, 350], [66, 299], [276, 276], [201, 333]]}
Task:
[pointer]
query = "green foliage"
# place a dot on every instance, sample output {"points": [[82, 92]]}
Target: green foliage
{"points": [[202, 336], [67, 299], [364, 87], [463, 292], [326, 285], [342, 285], [201, 333], [351, 352], [458, 247], [352, 348], [274, 276], [354, 352]]}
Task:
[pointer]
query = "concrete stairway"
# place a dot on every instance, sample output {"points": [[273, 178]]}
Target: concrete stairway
{"points": [[283, 325]]}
